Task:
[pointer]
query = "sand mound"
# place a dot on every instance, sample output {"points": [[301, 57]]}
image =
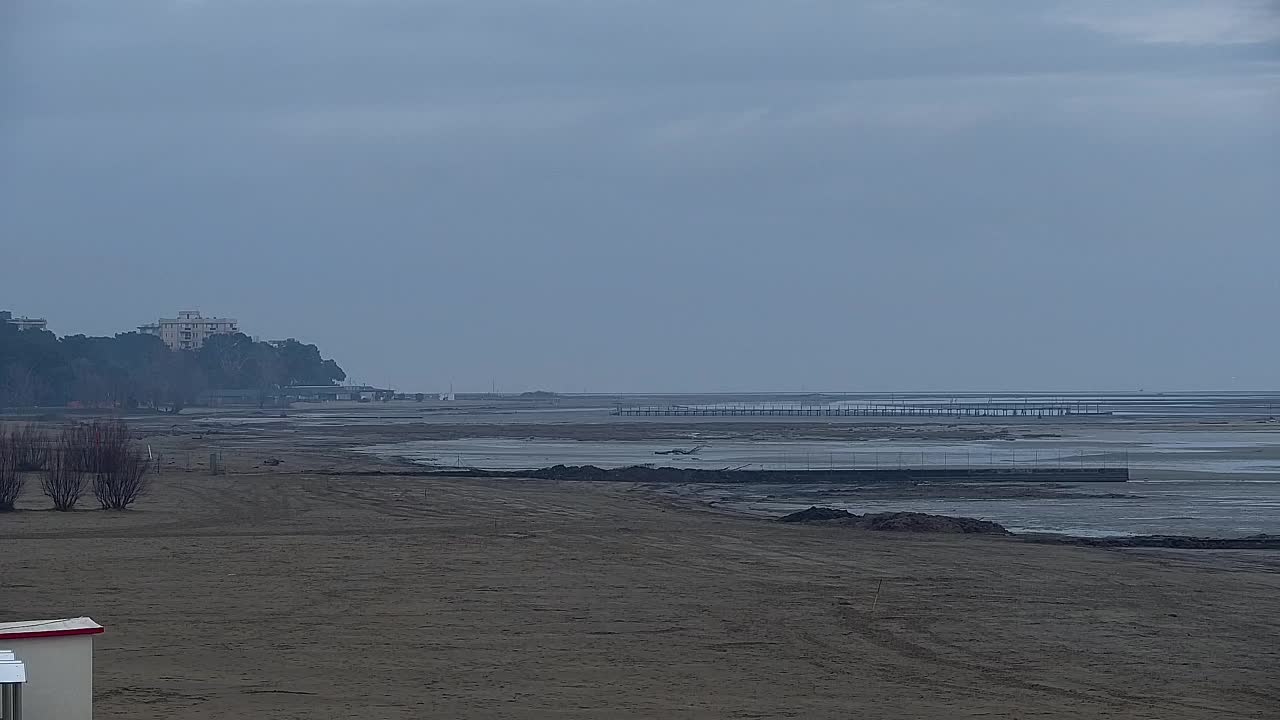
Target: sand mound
{"points": [[897, 521]]}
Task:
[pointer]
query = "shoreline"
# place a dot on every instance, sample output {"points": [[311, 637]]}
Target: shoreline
{"points": [[480, 597], [885, 479]]}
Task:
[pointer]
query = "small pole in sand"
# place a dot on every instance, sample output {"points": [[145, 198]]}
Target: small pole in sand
{"points": [[876, 601]]}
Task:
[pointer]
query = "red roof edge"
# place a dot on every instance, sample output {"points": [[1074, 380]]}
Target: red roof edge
{"points": [[49, 633]]}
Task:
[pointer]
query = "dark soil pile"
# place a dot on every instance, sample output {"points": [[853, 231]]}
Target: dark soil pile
{"points": [[1178, 542], [923, 522], [897, 521], [817, 514]]}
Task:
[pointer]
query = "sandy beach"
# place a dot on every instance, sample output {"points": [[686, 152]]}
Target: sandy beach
{"points": [[301, 591]]}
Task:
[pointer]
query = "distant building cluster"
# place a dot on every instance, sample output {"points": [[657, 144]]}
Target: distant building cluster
{"points": [[282, 397], [23, 323], [189, 330]]}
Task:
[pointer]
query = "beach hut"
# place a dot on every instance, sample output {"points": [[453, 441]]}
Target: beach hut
{"points": [[57, 656], [13, 675]]}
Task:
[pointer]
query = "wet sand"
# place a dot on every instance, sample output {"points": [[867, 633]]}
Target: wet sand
{"points": [[301, 591]]}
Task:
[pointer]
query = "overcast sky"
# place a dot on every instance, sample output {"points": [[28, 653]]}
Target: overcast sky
{"points": [[646, 195]]}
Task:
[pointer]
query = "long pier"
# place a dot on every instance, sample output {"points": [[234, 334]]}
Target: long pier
{"points": [[956, 410]]}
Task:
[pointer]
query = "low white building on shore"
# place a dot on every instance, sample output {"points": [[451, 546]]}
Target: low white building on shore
{"points": [[57, 656]]}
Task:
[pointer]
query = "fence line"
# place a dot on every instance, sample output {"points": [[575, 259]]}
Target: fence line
{"points": [[955, 410]]}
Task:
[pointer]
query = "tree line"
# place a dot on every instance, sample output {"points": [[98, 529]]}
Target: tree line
{"points": [[131, 370]]}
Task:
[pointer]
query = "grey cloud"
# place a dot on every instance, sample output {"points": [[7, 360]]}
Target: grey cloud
{"points": [[1188, 22]]}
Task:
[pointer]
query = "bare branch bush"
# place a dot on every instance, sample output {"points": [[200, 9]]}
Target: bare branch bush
{"points": [[106, 452], [31, 447], [98, 455], [124, 482], [96, 447], [11, 480], [64, 478]]}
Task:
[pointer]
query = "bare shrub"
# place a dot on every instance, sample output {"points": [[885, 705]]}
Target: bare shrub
{"points": [[96, 447], [11, 481], [31, 447], [125, 481], [100, 455], [76, 445], [63, 479]]}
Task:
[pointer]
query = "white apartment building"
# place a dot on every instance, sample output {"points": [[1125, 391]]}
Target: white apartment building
{"points": [[189, 330], [23, 323]]}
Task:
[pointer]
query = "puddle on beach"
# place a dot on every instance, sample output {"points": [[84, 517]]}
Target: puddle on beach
{"points": [[1238, 496], [514, 454]]}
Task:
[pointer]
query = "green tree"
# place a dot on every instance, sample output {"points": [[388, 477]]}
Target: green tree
{"points": [[131, 370]]}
